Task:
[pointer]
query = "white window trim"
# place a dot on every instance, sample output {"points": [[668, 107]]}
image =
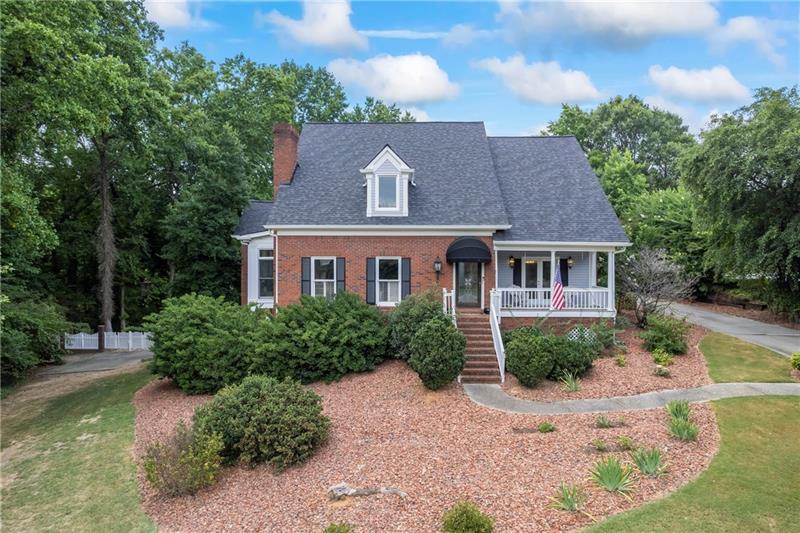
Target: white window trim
{"points": [[396, 206], [258, 277], [378, 301], [313, 278]]}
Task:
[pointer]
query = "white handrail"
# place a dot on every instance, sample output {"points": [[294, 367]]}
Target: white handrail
{"points": [[497, 336], [448, 305]]}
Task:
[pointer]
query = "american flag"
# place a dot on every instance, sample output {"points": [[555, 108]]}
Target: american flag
{"points": [[558, 291]]}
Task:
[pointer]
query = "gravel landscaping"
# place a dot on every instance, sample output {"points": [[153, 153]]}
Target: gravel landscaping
{"points": [[606, 379], [436, 447]]}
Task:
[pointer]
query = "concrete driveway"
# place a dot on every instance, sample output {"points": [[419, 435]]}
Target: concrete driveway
{"points": [[779, 339], [95, 362]]}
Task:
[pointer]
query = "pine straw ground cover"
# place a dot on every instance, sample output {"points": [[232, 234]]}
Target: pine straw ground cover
{"points": [[438, 447], [606, 379]]}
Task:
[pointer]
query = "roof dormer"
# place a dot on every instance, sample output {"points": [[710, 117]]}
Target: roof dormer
{"points": [[386, 178]]}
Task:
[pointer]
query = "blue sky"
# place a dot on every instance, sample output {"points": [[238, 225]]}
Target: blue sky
{"points": [[511, 64]]}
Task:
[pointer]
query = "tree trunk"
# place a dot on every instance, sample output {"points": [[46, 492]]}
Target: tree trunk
{"points": [[122, 321], [106, 248]]}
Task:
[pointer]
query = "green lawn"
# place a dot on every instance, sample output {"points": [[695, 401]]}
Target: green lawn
{"points": [[67, 463], [732, 360], [752, 484]]}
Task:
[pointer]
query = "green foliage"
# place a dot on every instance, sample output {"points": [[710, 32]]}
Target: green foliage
{"points": [[186, 464], [376, 111], [604, 422], [795, 360], [322, 339], [570, 357], [611, 475], [523, 331], [678, 409], [605, 333], [466, 517], [683, 429], [338, 528], [744, 176], [204, 343], [620, 360], [265, 420], [660, 357], [409, 315], [546, 427], [600, 445], [569, 497], [570, 382], [649, 461], [437, 353], [622, 180], [625, 442], [529, 358], [666, 333]]}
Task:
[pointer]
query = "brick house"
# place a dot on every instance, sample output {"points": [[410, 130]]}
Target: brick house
{"points": [[384, 210]]}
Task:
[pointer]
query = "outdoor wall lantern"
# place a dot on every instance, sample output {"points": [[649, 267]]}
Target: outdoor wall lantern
{"points": [[570, 261], [437, 267], [511, 261]]}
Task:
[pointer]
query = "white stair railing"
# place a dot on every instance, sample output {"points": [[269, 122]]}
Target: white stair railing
{"points": [[449, 305], [497, 336]]}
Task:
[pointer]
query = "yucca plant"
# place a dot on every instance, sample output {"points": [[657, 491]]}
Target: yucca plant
{"points": [[678, 409], [625, 442], [603, 422], [569, 497], [613, 476], [570, 382], [648, 461], [683, 429], [546, 427], [600, 445]]}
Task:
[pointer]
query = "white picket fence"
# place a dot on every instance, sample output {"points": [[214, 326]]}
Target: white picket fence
{"points": [[125, 340]]}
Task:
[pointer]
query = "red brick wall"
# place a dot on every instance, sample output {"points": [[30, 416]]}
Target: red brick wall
{"points": [[284, 139], [558, 325], [422, 251], [243, 283]]}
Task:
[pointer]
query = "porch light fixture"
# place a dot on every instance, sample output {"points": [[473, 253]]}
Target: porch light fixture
{"points": [[511, 261], [570, 261], [530, 261], [437, 267]]}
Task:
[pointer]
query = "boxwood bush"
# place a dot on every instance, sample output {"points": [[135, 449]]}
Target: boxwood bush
{"points": [[265, 420], [529, 358], [437, 353], [204, 343], [571, 357], [322, 339], [666, 333], [409, 316], [466, 517]]}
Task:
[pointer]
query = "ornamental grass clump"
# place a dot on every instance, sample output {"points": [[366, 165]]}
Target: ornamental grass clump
{"points": [[648, 461], [600, 445], [569, 497], [684, 430], [546, 427], [625, 442], [570, 382], [613, 476], [620, 360], [678, 409], [466, 517], [603, 422], [660, 357]]}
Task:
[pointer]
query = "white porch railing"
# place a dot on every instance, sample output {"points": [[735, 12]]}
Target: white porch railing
{"points": [[574, 298], [497, 335], [449, 304]]}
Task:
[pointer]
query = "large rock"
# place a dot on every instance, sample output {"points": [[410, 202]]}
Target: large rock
{"points": [[342, 490]]}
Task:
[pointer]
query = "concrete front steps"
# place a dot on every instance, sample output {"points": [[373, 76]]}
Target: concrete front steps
{"points": [[481, 365]]}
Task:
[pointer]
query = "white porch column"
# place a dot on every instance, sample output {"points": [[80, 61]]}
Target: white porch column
{"points": [[553, 267], [612, 290], [593, 269]]}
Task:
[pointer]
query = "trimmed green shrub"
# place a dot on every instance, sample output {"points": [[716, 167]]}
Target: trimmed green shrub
{"points": [[604, 333], [523, 331], [528, 357], [660, 357], [322, 339], [204, 343], [546, 427], [665, 333], [265, 420], [409, 316], [795, 360], [186, 464], [466, 517], [570, 357], [437, 353]]}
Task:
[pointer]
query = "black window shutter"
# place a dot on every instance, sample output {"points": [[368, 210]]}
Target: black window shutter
{"points": [[518, 272], [370, 280], [562, 263], [405, 284], [305, 275], [339, 274]]}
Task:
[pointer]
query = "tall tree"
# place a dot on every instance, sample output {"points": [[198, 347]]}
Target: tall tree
{"points": [[316, 94], [377, 111], [622, 180], [746, 177]]}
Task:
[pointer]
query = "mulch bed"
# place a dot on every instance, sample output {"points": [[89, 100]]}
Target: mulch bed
{"points": [[438, 447], [606, 379]]}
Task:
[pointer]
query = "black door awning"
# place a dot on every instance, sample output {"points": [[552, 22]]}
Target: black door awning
{"points": [[467, 249]]}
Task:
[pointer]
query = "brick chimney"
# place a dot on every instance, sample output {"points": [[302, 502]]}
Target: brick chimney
{"points": [[284, 139]]}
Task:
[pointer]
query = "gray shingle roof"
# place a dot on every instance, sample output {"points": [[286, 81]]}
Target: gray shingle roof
{"points": [[542, 186], [551, 193]]}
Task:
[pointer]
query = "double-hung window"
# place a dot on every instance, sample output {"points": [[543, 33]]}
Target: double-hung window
{"points": [[387, 191], [323, 276], [388, 280], [266, 274]]}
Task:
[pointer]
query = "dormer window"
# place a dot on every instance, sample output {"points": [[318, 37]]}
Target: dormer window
{"points": [[386, 179], [388, 191]]}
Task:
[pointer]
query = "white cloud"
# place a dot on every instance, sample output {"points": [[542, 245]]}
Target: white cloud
{"points": [[420, 114], [406, 78], [701, 85], [760, 32], [175, 14], [324, 24], [403, 34], [463, 34], [544, 83], [614, 22], [535, 130], [696, 119]]}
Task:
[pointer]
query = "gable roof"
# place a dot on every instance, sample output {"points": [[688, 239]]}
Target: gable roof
{"points": [[254, 218], [551, 193]]}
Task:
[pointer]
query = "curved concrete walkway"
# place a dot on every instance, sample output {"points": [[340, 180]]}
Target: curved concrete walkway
{"points": [[494, 397]]}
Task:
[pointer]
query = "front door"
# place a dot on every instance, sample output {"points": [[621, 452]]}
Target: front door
{"points": [[468, 284]]}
